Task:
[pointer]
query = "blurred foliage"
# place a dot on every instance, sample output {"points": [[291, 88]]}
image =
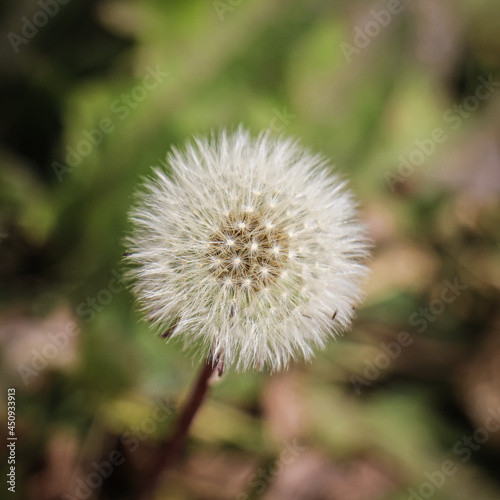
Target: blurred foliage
{"points": [[370, 420]]}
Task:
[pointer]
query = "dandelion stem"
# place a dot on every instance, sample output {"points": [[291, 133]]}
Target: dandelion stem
{"points": [[170, 448]]}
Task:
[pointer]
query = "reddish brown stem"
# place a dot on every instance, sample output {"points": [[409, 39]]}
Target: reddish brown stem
{"points": [[170, 448]]}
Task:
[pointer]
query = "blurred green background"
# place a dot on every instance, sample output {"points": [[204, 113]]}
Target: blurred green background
{"points": [[402, 96]]}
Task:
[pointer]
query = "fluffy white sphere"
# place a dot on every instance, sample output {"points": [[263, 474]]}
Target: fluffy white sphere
{"points": [[249, 249]]}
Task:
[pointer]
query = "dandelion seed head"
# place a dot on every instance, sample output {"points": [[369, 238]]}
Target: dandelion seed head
{"points": [[249, 249]]}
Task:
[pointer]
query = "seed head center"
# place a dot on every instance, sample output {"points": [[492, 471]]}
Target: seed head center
{"points": [[247, 251]]}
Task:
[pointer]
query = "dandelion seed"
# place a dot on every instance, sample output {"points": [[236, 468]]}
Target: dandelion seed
{"points": [[247, 233]]}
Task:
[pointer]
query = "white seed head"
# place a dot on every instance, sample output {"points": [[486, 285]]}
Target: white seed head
{"points": [[250, 251]]}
